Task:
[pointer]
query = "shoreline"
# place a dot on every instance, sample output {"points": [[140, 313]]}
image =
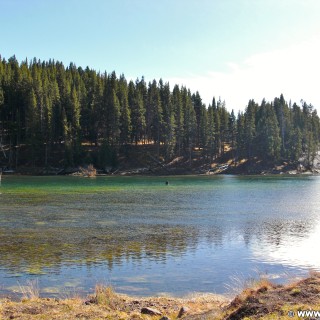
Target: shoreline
{"points": [[172, 168], [173, 174], [261, 300]]}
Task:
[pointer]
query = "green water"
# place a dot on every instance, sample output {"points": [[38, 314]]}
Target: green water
{"points": [[145, 237]]}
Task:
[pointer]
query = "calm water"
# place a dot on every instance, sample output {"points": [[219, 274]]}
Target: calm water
{"points": [[146, 238]]}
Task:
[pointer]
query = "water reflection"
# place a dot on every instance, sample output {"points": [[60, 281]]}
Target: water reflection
{"points": [[30, 250], [296, 246], [191, 236]]}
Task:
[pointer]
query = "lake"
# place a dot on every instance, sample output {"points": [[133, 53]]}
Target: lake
{"points": [[143, 237]]}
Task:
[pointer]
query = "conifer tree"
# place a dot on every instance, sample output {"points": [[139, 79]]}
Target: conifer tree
{"points": [[232, 133], [190, 123], [154, 115], [125, 118], [217, 122], [210, 132], [168, 119], [268, 133], [241, 137], [250, 128], [137, 112], [178, 118]]}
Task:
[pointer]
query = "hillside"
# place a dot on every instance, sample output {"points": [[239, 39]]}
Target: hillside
{"points": [[60, 117]]}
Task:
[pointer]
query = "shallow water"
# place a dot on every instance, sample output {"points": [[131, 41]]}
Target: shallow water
{"points": [[143, 237]]}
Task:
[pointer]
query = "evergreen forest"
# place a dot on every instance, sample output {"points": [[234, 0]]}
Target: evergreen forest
{"points": [[56, 115]]}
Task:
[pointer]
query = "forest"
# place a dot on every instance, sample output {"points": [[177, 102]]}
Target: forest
{"points": [[56, 115]]}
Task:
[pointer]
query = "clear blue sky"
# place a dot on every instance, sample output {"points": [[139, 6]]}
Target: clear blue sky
{"points": [[236, 49]]}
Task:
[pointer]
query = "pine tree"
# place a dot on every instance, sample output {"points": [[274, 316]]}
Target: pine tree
{"points": [[210, 132], [224, 123], [203, 130], [250, 128], [33, 137], [154, 115], [168, 119], [125, 118], [268, 133], [114, 119], [197, 105], [178, 118], [217, 122], [241, 137], [190, 123], [232, 133], [75, 125], [137, 112]]}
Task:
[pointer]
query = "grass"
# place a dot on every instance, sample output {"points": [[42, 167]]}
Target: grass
{"points": [[260, 300], [268, 301], [31, 290], [104, 303], [239, 285], [106, 296]]}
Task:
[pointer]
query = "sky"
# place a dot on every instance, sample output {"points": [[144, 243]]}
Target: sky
{"points": [[235, 50]]}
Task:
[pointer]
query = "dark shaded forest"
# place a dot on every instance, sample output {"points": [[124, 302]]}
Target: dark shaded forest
{"points": [[53, 115]]}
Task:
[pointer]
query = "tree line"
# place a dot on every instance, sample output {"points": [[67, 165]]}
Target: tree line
{"points": [[47, 110]]}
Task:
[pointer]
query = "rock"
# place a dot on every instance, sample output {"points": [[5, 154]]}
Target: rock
{"points": [[91, 301], [183, 311], [150, 311]]}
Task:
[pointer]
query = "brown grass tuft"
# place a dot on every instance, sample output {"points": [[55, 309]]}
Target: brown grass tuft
{"points": [[108, 297], [31, 290]]}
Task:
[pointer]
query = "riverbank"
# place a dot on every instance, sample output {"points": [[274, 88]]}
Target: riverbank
{"points": [[263, 300]]}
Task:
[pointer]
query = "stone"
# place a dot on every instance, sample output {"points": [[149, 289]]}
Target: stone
{"points": [[150, 311], [183, 311]]}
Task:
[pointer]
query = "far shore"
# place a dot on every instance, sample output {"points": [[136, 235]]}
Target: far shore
{"points": [[178, 166], [78, 171]]}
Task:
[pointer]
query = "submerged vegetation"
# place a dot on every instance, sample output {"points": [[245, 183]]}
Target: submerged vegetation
{"points": [[52, 115]]}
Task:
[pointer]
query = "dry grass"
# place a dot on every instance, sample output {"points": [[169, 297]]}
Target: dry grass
{"points": [[259, 299], [55, 309], [267, 301], [240, 285], [105, 303], [107, 297], [31, 290]]}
